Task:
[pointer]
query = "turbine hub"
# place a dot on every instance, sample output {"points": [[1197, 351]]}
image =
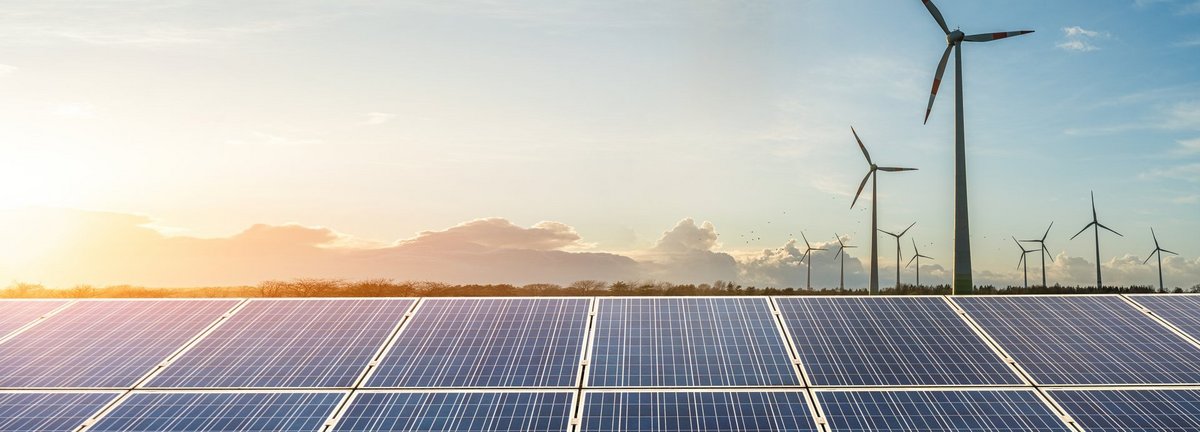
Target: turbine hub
{"points": [[954, 37]]}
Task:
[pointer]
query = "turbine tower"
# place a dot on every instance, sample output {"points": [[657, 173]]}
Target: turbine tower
{"points": [[1023, 261], [1096, 225], [873, 288], [916, 256], [808, 250], [840, 253], [1158, 250], [897, 236], [962, 231], [1045, 252]]}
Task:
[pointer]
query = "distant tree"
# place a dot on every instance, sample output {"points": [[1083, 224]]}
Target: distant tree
{"points": [[587, 286], [81, 291]]}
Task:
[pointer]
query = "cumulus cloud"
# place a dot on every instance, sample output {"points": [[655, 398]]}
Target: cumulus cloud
{"points": [[787, 267], [1079, 39], [685, 254]]}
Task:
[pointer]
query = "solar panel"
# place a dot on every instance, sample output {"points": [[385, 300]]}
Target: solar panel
{"points": [[289, 343], [705, 410], [511, 342], [896, 341], [937, 410], [688, 342], [1131, 410], [1085, 340], [49, 412], [15, 314], [220, 411], [370, 411], [103, 343], [1182, 311]]}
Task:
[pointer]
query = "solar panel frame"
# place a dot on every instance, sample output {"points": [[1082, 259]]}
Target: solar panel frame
{"points": [[1032, 376], [99, 420], [783, 338], [149, 381], [1186, 327], [16, 326], [811, 378], [373, 370], [804, 394], [114, 395], [340, 415], [830, 425], [1050, 392]]}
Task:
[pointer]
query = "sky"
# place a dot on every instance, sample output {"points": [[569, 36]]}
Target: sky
{"points": [[186, 143]]}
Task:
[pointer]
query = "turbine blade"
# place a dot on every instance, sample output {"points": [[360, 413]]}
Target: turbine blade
{"points": [[1149, 256], [926, 257], [988, 37], [1167, 251], [888, 233], [906, 229], [895, 169], [910, 261], [1018, 244], [839, 239], [937, 78], [1047, 251], [1021, 261], [1047, 231], [1089, 225], [805, 240], [861, 186], [1109, 229], [1155, 238], [1094, 217], [861, 146], [937, 15], [839, 253]]}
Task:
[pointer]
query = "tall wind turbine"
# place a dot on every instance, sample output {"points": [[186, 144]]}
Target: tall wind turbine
{"points": [[1045, 252], [1158, 250], [916, 256], [962, 230], [808, 250], [873, 288], [841, 253], [1096, 225], [1024, 262], [897, 236]]}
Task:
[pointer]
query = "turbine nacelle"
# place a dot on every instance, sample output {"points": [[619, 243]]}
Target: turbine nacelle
{"points": [[955, 37]]}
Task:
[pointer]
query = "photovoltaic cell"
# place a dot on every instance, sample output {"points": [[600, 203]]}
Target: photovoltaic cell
{"points": [[49, 412], [1085, 340], [457, 411], [899, 341], [1183, 311], [1131, 410], [488, 343], [699, 411], [103, 343], [289, 343], [688, 342], [15, 314], [937, 410], [225, 412]]}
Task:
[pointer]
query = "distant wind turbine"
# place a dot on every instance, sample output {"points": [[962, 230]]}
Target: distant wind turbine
{"points": [[1024, 262], [808, 250], [897, 236], [917, 257], [1096, 225], [841, 253], [962, 231], [1159, 251], [873, 288], [1045, 252]]}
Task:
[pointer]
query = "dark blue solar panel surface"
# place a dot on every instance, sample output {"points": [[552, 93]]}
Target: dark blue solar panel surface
{"points": [[1182, 311], [1131, 410], [49, 412], [900, 341], [289, 343], [688, 342], [104, 343], [488, 343], [15, 314], [1085, 340], [457, 411], [698, 411], [226, 412], [937, 410]]}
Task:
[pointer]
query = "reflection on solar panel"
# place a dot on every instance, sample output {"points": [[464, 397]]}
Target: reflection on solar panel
{"points": [[688, 342], [1132, 410], [457, 411], [49, 412], [289, 343], [14, 314], [103, 343], [899, 341], [1181, 310], [225, 411], [685, 411], [1080, 340], [937, 410], [488, 343]]}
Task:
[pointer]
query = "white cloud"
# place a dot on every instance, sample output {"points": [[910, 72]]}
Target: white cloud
{"points": [[1077, 45], [1077, 31], [1080, 39], [378, 118], [1189, 146]]}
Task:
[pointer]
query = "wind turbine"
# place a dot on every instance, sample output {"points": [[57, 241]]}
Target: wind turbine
{"points": [[1045, 252], [1023, 261], [1096, 225], [1157, 250], [962, 230], [897, 236], [841, 249], [916, 256], [808, 254], [873, 288]]}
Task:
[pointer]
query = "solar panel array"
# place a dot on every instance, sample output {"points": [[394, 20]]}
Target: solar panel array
{"points": [[605, 364]]}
